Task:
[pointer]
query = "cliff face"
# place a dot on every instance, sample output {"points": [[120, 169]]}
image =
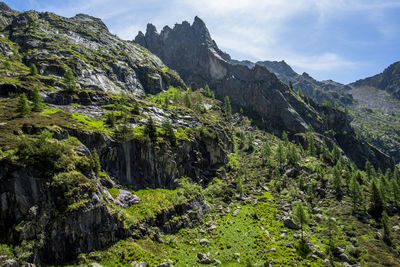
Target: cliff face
{"points": [[190, 50]]}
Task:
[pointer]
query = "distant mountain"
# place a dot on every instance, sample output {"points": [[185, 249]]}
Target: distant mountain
{"points": [[320, 91], [388, 80]]}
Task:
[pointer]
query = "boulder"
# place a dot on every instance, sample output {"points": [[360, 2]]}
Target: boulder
{"points": [[126, 199], [289, 223]]}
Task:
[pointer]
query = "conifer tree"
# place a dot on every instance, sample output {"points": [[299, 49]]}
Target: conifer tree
{"points": [[285, 138], [23, 108], [188, 100], [356, 194], [387, 235], [33, 70], [208, 92], [280, 153], [227, 105], [311, 149], [37, 100], [69, 82], [376, 200], [95, 161], [292, 155], [150, 130], [337, 179], [169, 131], [301, 217], [111, 119]]}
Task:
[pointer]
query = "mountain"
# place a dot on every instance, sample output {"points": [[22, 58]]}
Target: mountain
{"points": [[108, 158], [320, 91], [190, 51], [388, 80]]}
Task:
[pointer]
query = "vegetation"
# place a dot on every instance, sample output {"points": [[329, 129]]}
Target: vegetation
{"points": [[23, 108], [69, 82]]}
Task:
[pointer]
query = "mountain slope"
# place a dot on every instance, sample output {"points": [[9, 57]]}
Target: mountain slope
{"points": [[190, 50]]}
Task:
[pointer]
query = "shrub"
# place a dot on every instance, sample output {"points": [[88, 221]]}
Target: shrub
{"points": [[150, 130]]}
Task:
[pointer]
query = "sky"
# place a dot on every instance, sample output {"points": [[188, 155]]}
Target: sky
{"points": [[342, 40]]}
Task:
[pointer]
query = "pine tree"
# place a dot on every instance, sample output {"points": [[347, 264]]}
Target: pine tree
{"points": [[336, 154], [37, 100], [69, 82], [395, 192], [292, 155], [356, 194], [188, 100], [301, 217], [387, 235], [33, 70], [208, 92], [23, 108], [376, 200], [227, 105], [280, 153], [285, 138], [337, 179], [111, 119], [150, 130], [312, 150], [331, 228], [169, 131], [95, 162]]}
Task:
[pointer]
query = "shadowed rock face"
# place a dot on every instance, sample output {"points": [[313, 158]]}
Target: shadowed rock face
{"points": [[190, 50]]}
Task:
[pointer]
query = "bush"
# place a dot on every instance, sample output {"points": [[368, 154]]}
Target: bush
{"points": [[150, 130], [43, 154], [169, 131]]}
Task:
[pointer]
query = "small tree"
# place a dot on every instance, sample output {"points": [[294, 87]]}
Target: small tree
{"points": [[23, 108], [387, 235], [33, 70], [208, 92], [280, 153], [37, 100], [356, 194], [69, 82], [331, 230], [301, 217], [188, 100], [111, 119], [285, 138], [376, 200], [150, 130], [95, 162], [227, 105], [292, 155], [169, 131]]}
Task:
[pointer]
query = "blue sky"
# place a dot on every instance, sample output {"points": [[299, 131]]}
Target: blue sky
{"points": [[343, 40]]}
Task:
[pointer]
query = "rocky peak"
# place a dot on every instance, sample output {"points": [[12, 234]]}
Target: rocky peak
{"points": [[83, 18]]}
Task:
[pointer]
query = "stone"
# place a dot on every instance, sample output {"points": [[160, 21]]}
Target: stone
{"points": [[11, 263], [318, 218], [204, 258], [396, 228], [164, 264], [289, 245], [204, 241], [343, 257], [289, 223], [126, 199], [95, 264]]}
